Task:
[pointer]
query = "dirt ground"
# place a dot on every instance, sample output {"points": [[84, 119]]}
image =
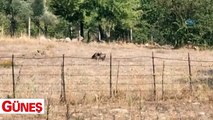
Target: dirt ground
{"points": [[87, 80]]}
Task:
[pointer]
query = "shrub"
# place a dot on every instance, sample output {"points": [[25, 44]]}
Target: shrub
{"points": [[5, 63]]}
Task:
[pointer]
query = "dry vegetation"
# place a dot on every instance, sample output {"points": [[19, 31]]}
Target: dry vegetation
{"points": [[87, 80]]}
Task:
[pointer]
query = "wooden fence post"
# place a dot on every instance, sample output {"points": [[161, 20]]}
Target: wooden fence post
{"points": [[154, 76], [48, 108], [163, 80], [116, 86], [190, 72], [67, 112], [113, 117], [13, 77], [63, 92], [110, 80]]}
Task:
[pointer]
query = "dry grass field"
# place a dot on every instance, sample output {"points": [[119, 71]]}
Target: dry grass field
{"points": [[38, 75]]}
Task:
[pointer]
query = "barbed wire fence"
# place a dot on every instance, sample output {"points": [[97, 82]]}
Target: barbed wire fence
{"points": [[66, 78], [112, 73]]}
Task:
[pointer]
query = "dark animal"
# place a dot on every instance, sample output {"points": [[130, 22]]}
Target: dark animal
{"points": [[99, 56]]}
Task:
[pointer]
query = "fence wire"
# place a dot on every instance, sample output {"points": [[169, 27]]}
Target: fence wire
{"points": [[82, 74]]}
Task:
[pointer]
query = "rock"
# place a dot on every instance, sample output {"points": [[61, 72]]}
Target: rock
{"points": [[75, 40], [118, 110], [43, 38], [80, 38], [67, 39], [101, 41], [196, 103], [201, 113], [196, 48], [147, 44]]}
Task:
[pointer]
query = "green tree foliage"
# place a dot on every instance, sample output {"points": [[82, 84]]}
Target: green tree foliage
{"points": [[48, 19], [168, 21], [38, 7], [68, 10], [171, 22], [97, 16], [15, 11]]}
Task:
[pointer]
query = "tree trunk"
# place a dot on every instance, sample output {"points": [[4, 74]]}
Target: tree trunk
{"points": [[12, 26], [82, 28], [69, 31], [88, 36], [131, 36], [45, 30], [38, 29], [128, 36], [2, 30], [29, 27], [37, 23], [101, 32], [123, 37], [26, 28], [99, 36]]}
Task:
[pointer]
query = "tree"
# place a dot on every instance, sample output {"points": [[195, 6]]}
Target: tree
{"points": [[48, 19], [25, 11], [177, 32], [106, 15], [38, 7], [69, 10], [167, 21], [103, 14], [14, 10], [127, 16], [163, 21]]}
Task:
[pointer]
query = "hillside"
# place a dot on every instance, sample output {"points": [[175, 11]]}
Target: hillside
{"points": [[38, 74]]}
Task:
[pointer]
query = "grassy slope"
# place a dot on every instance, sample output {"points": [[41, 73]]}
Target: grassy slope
{"points": [[96, 104]]}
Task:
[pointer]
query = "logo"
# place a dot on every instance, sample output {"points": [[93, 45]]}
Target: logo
{"points": [[22, 106]]}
